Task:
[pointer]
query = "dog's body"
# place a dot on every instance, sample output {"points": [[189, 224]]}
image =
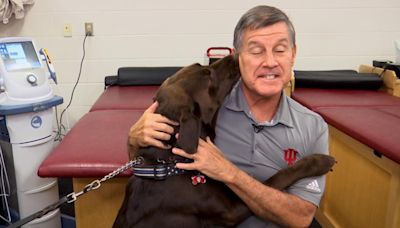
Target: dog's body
{"points": [[192, 97]]}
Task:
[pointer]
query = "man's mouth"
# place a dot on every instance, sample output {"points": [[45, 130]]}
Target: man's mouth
{"points": [[269, 76]]}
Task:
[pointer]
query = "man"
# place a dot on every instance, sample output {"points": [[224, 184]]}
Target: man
{"points": [[259, 130]]}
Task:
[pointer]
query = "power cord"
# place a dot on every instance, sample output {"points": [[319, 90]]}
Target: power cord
{"points": [[58, 133], [60, 126], [4, 191]]}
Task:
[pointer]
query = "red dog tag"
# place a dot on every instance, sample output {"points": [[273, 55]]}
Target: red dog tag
{"points": [[198, 179]]}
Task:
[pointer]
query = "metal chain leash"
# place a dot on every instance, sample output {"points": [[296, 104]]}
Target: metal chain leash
{"points": [[97, 183], [72, 197]]}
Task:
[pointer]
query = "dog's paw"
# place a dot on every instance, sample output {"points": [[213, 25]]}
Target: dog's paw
{"points": [[316, 164]]}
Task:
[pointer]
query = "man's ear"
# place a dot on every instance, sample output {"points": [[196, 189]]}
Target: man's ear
{"points": [[189, 133], [294, 53]]}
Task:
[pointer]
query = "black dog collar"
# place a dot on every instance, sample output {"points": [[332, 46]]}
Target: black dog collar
{"points": [[157, 172]]}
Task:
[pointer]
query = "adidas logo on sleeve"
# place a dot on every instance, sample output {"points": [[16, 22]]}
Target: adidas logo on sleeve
{"points": [[313, 186]]}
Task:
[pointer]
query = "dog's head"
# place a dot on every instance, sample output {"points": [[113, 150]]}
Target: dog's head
{"points": [[193, 95], [226, 73], [220, 77], [212, 84]]}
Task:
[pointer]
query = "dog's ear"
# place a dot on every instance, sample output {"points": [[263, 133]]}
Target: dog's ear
{"points": [[204, 97], [212, 77], [189, 133]]}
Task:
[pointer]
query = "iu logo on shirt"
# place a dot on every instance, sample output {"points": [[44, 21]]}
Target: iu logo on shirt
{"points": [[290, 156]]}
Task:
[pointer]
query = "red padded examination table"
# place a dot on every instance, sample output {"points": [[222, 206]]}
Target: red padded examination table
{"points": [[125, 97], [372, 117], [363, 190], [97, 144]]}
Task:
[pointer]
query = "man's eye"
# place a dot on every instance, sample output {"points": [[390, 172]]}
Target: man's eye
{"points": [[256, 51], [280, 49]]}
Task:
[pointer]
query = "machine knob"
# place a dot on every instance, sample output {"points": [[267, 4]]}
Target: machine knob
{"points": [[32, 79]]}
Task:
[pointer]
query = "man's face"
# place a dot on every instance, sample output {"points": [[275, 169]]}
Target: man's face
{"points": [[266, 59]]}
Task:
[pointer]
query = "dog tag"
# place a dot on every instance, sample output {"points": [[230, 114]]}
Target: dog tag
{"points": [[198, 179]]}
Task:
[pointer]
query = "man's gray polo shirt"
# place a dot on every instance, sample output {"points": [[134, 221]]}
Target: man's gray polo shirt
{"points": [[294, 132]]}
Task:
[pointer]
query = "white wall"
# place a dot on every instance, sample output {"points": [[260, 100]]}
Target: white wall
{"points": [[331, 34]]}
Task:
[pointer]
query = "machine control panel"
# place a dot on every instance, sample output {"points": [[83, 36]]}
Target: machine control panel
{"points": [[23, 76]]}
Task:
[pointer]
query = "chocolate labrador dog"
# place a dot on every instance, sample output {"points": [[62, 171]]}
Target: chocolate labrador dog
{"points": [[160, 195]]}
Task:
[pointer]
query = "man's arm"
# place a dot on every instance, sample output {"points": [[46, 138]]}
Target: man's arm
{"points": [[149, 130], [267, 203]]}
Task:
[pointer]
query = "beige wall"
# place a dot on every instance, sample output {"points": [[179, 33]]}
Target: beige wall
{"points": [[331, 34]]}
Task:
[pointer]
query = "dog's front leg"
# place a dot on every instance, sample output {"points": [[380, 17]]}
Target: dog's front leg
{"points": [[313, 165], [236, 214]]}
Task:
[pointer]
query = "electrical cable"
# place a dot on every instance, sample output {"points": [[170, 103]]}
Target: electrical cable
{"points": [[60, 125], [58, 134], [5, 185]]}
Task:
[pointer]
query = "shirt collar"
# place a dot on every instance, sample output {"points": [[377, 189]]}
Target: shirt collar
{"points": [[236, 102]]}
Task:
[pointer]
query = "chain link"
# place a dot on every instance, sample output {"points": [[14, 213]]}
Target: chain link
{"points": [[72, 197]]}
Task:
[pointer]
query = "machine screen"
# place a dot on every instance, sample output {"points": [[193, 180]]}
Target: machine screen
{"points": [[19, 55]]}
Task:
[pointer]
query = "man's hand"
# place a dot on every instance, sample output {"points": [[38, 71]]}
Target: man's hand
{"points": [[151, 129], [209, 160]]}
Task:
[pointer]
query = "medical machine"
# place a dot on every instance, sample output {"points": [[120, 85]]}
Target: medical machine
{"points": [[26, 127]]}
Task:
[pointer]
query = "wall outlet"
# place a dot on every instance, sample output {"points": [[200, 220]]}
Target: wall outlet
{"points": [[67, 30], [89, 28]]}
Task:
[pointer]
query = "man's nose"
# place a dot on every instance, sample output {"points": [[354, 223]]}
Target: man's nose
{"points": [[269, 59]]}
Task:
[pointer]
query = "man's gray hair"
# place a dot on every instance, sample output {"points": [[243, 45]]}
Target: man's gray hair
{"points": [[260, 17]]}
